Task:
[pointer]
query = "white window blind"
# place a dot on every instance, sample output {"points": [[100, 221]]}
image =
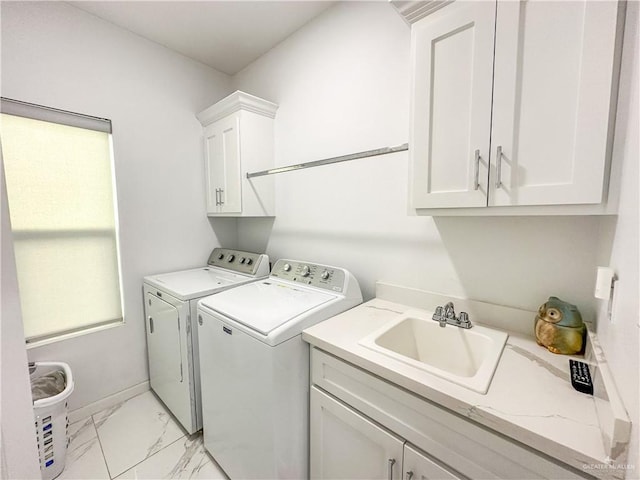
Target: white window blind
{"points": [[61, 193]]}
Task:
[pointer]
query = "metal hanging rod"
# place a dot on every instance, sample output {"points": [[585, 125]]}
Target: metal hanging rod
{"points": [[328, 161]]}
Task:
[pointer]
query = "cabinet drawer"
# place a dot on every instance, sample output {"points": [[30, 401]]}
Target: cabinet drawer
{"points": [[471, 449]]}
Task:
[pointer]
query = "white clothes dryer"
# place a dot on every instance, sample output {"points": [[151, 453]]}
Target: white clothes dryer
{"points": [[170, 302], [255, 367]]}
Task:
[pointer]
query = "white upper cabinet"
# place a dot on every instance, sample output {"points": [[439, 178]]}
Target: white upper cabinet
{"points": [[238, 139], [513, 104], [222, 166], [453, 69]]}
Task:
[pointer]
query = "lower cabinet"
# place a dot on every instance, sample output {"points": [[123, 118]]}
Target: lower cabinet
{"points": [[364, 427], [417, 466], [347, 445]]}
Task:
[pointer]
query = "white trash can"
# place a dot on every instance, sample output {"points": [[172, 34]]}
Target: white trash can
{"points": [[51, 417]]}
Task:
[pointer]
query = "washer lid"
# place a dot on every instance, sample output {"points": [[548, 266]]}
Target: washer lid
{"points": [[267, 304], [198, 282]]}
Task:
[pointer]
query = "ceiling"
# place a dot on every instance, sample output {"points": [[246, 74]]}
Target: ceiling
{"points": [[226, 35]]}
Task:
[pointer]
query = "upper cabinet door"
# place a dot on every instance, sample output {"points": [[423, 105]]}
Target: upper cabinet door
{"points": [[452, 55], [553, 96], [213, 176], [222, 143]]}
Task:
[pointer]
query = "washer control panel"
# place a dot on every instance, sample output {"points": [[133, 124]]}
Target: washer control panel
{"points": [[320, 276], [236, 260]]}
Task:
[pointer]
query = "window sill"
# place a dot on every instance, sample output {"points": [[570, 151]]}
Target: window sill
{"points": [[69, 335]]}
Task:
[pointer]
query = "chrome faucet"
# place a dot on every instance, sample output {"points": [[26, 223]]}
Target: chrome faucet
{"points": [[447, 315]]}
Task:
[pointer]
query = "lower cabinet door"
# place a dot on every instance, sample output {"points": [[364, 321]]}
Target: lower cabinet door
{"points": [[417, 466], [347, 445]]}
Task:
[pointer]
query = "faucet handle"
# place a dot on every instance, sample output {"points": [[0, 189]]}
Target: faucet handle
{"points": [[463, 320], [437, 315]]}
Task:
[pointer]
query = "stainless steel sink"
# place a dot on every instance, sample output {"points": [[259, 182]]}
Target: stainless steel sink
{"points": [[467, 357]]}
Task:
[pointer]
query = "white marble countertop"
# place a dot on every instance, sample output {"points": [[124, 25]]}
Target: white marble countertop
{"points": [[530, 398]]}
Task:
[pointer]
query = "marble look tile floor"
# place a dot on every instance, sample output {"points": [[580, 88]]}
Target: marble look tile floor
{"points": [[137, 439]]}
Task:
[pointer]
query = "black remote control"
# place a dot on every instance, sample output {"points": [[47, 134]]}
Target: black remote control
{"points": [[580, 377]]}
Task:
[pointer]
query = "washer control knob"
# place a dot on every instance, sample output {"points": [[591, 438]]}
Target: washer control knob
{"points": [[242, 259], [230, 258], [220, 256], [286, 267], [305, 271], [325, 275], [248, 261], [200, 319]]}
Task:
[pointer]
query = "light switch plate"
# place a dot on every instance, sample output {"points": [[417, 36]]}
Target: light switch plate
{"points": [[604, 283]]}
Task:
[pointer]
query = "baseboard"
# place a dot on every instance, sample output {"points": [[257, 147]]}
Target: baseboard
{"points": [[110, 401]]}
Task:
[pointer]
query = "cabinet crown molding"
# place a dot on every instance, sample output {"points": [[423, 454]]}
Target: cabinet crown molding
{"points": [[412, 11], [238, 100]]}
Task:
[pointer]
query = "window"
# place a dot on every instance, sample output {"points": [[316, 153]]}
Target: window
{"points": [[62, 205]]}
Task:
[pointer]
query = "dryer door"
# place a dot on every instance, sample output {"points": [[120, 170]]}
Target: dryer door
{"points": [[168, 374]]}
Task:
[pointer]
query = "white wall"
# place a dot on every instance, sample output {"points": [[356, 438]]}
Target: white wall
{"points": [[342, 84], [17, 438], [56, 55], [620, 242]]}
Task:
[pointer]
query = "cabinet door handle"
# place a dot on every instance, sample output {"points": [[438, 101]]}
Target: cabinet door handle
{"points": [[221, 197], [409, 475], [499, 166], [392, 462], [476, 173], [217, 197], [150, 325]]}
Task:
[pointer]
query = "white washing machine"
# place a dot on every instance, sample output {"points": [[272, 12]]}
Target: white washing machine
{"points": [[170, 302], [255, 367]]}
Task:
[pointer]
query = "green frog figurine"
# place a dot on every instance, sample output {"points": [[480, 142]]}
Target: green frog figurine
{"points": [[559, 327]]}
